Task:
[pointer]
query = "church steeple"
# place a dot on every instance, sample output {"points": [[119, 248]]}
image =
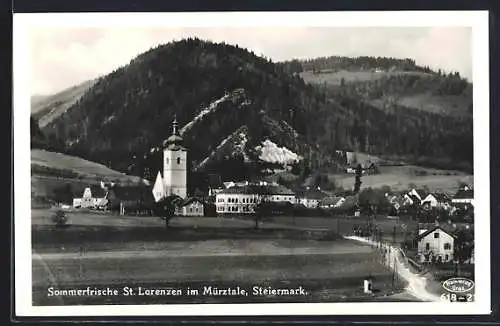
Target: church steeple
{"points": [[174, 125], [175, 141]]}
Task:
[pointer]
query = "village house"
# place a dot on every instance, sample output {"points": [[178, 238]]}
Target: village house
{"points": [[418, 193], [436, 200], [410, 199], [192, 206], [331, 202], [93, 196], [435, 244], [310, 198], [464, 195]]}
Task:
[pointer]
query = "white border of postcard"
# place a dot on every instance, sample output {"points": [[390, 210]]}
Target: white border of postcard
{"points": [[477, 20]]}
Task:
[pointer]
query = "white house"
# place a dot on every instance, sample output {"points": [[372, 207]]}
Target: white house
{"points": [[464, 195], [311, 198], [420, 194], [191, 207], [436, 200], [92, 197], [437, 243], [244, 199], [174, 180]]}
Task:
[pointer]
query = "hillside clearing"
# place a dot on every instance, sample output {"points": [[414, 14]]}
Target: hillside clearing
{"points": [[401, 177], [51, 170], [335, 77]]}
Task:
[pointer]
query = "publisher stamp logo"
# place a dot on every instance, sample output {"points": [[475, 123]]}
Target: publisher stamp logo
{"points": [[458, 285]]}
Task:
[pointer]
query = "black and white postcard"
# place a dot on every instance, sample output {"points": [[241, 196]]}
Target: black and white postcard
{"points": [[237, 163]]}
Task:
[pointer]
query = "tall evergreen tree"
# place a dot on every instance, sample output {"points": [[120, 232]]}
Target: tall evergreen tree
{"points": [[357, 178]]}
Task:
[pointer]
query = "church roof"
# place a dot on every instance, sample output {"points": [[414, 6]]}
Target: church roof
{"points": [[174, 141]]}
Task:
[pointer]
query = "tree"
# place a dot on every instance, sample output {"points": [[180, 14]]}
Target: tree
{"points": [[262, 210], [60, 219], [357, 178], [166, 208]]}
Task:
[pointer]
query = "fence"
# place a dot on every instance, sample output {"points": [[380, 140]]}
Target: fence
{"points": [[395, 259]]}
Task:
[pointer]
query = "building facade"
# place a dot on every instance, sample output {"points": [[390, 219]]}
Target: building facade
{"points": [[244, 199], [464, 196], [310, 198], [435, 244], [92, 197]]}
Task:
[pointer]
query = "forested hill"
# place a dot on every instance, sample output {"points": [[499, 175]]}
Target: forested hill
{"points": [[128, 113]]}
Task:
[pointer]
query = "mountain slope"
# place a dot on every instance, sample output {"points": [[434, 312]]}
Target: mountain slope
{"points": [[47, 108], [215, 89], [53, 173]]}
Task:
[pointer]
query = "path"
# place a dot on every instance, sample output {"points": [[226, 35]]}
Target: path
{"points": [[416, 284]]}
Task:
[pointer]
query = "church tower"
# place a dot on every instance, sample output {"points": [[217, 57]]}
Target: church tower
{"points": [[175, 164]]}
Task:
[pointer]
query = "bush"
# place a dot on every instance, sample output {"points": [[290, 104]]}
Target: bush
{"points": [[59, 218]]}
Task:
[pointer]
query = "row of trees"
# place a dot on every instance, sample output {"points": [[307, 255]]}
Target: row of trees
{"points": [[351, 63]]}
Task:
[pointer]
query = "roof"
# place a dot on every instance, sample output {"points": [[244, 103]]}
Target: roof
{"points": [[414, 198], [440, 197], [97, 191], [421, 192], [330, 200], [426, 233], [174, 142], [190, 200], [464, 194], [258, 190], [312, 194]]}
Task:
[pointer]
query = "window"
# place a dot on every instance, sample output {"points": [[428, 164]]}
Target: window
{"points": [[427, 246], [167, 160], [436, 235], [447, 246], [178, 160]]}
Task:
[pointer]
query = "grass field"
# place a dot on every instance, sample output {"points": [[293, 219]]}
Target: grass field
{"points": [[400, 177], [443, 104], [88, 172], [334, 78], [117, 251]]}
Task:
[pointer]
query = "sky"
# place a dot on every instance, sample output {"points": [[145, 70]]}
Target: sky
{"points": [[64, 57]]}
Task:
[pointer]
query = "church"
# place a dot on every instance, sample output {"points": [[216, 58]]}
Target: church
{"points": [[174, 180]]}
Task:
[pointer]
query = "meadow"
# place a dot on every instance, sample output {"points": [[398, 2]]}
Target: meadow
{"points": [[99, 250]]}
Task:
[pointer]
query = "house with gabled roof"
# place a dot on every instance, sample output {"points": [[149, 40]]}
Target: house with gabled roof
{"points": [[191, 206], [92, 197], [436, 200], [311, 197], [418, 193], [435, 244]]}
